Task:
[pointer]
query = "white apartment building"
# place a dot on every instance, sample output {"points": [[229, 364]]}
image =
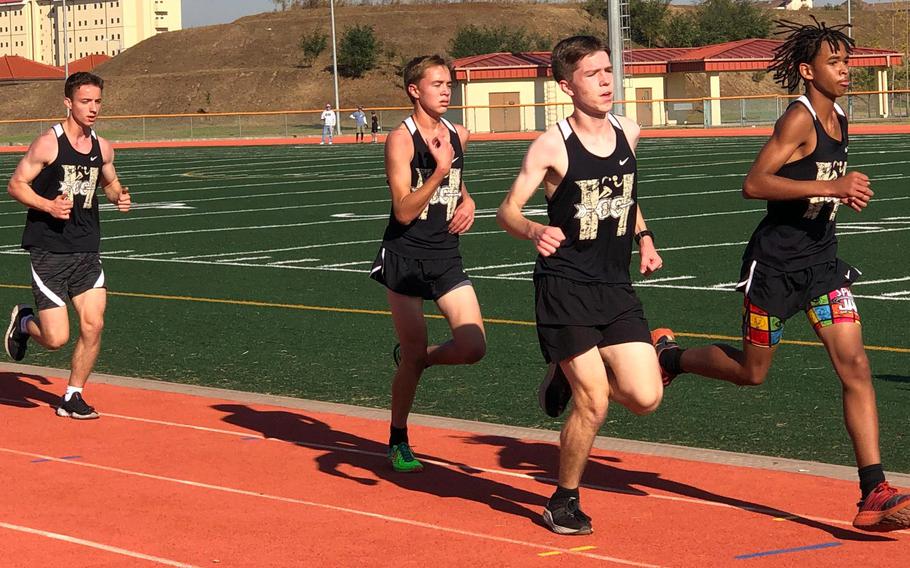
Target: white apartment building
{"points": [[35, 29]]}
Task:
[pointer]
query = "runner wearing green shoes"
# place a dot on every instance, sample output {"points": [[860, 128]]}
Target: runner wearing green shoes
{"points": [[419, 258]]}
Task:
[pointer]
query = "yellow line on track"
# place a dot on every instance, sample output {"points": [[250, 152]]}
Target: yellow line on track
{"points": [[338, 310]]}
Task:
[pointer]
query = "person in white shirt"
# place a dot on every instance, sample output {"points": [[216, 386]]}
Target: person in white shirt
{"points": [[328, 123], [360, 123]]}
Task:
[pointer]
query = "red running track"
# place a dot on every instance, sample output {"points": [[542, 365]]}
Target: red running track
{"points": [[174, 479]]}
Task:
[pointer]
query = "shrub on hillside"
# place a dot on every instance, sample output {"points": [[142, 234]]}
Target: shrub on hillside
{"points": [[646, 18], [312, 45], [477, 40], [357, 51], [717, 21]]}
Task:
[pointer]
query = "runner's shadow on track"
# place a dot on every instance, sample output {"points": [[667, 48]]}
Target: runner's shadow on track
{"points": [[441, 477], [19, 389], [539, 459]]}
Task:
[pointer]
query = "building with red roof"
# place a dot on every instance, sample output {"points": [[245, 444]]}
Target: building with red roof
{"points": [[654, 78], [89, 62], [15, 68]]}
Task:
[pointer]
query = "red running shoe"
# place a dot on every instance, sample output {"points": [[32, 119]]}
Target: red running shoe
{"points": [[883, 510]]}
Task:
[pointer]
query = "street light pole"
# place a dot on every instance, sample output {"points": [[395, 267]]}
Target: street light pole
{"points": [[66, 47], [849, 19], [335, 69]]}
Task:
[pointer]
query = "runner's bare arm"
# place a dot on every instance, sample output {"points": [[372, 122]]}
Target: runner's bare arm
{"points": [[632, 131], [651, 261], [41, 153], [534, 168], [463, 218], [115, 192], [793, 130], [399, 149]]}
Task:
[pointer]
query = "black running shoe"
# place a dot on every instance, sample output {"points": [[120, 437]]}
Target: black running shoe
{"points": [[16, 341], [77, 408], [554, 392], [663, 339], [396, 354], [564, 516]]}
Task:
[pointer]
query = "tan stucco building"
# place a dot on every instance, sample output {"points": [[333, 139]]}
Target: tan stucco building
{"points": [[34, 29], [512, 92]]}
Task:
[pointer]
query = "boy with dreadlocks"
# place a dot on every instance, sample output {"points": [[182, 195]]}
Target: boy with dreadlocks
{"points": [[790, 264]]}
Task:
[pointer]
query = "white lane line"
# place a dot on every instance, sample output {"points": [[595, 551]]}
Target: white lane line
{"points": [[342, 264], [326, 506], [494, 266], [667, 279], [244, 259], [294, 261], [97, 545], [151, 254], [718, 213], [883, 281]]}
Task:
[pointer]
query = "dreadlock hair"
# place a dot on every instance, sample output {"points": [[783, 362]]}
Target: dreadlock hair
{"points": [[801, 46]]}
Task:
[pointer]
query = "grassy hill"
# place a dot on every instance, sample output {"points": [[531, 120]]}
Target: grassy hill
{"points": [[254, 63]]}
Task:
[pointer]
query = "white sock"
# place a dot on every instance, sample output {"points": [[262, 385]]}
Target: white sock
{"points": [[23, 323], [70, 391]]}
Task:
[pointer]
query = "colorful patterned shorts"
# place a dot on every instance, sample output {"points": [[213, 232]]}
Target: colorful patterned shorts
{"points": [[764, 330]]}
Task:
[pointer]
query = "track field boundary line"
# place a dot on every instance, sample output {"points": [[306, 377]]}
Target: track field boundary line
{"points": [[659, 449], [363, 311]]}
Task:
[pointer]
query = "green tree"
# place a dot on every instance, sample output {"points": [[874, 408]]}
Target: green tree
{"points": [[476, 40], [596, 8], [681, 30], [731, 20], [312, 44], [357, 51], [647, 21], [717, 21]]}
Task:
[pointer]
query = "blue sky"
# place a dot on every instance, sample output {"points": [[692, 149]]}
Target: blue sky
{"points": [[208, 12]]}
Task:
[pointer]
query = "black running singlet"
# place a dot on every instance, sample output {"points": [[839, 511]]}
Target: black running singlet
{"points": [[799, 233], [428, 235], [77, 176], [595, 206]]}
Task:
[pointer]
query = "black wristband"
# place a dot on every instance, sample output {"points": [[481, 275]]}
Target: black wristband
{"points": [[642, 234]]}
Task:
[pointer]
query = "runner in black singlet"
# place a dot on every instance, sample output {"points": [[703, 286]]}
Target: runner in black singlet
{"points": [[790, 264], [590, 324], [419, 259], [59, 179]]}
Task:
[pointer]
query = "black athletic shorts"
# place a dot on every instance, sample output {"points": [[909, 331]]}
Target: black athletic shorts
{"points": [[573, 317], [58, 277], [785, 294], [427, 278]]}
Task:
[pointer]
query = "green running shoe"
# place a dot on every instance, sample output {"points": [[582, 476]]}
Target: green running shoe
{"points": [[403, 460]]}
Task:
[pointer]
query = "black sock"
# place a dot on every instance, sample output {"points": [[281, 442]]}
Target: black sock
{"points": [[869, 478], [562, 493], [671, 361], [397, 435]]}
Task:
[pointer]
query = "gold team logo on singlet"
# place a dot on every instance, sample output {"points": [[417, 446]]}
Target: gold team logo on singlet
{"points": [[597, 205], [826, 171], [79, 180], [446, 194]]}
